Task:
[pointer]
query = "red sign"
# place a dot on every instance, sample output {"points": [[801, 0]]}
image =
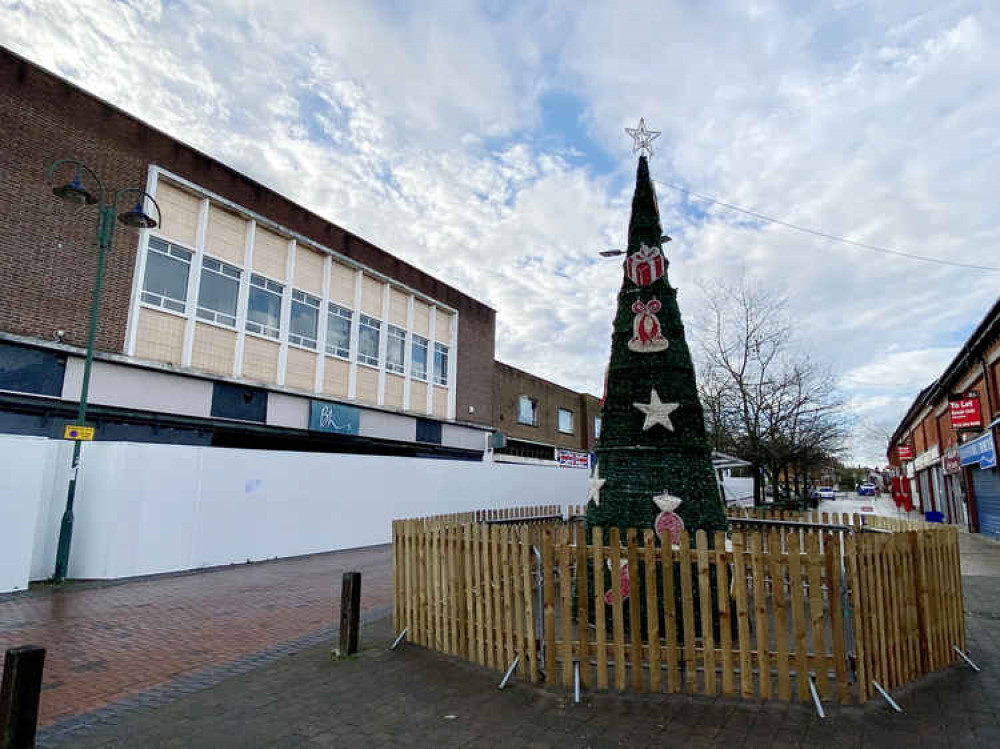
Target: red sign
{"points": [[574, 459], [905, 452], [965, 412]]}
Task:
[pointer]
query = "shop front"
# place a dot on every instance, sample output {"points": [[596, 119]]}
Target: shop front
{"points": [[980, 458], [954, 488]]}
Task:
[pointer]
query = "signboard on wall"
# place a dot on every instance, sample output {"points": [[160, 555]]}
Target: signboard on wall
{"points": [[905, 452], [950, 461], [979, 451], [964, 410], [574, 459], [335, 418]]}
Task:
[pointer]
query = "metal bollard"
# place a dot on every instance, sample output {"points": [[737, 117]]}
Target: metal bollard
{"points": [[350, 611], [19, 694]]}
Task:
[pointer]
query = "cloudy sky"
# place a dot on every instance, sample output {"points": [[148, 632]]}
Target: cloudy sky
{"points": [[483, 142]]}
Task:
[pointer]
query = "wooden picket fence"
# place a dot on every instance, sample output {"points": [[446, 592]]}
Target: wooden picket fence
{"points": [[759, 613]]}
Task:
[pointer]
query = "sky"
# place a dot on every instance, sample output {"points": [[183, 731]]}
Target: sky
{"points": [[483, 142]]}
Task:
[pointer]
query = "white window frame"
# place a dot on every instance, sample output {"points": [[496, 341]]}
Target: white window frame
{"points": [[176, 252], [439, 347], [534, 410], [372, 323], [344, 313], [395, 333], [269, 287], [212, 316], [572, 426], [415, 340], [309, 300], [597, 427]]}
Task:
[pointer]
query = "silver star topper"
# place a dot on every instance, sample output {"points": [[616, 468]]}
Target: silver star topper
{"points": [[642, 137]]}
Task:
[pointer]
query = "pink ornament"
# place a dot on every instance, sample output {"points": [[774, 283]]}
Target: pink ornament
{"points": [[609, 597], [668, 524], [646, 334]]}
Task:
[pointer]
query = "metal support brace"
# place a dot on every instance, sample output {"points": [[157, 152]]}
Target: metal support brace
{"points": [[815, 696], [510, 672], [966, 658], [576, 682], [395, 643], [890, 700]]}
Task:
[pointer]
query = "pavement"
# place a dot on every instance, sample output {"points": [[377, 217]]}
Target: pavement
{"points": [[300, 696]]}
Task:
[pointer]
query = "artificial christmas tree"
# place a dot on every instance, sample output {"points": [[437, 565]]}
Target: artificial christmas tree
{"points": [[653, 450]]}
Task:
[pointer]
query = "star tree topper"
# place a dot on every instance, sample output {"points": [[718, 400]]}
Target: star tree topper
{"points": [[596, 482], [657, 412], [642, 137]]}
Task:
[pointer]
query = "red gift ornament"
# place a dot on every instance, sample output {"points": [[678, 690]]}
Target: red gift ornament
{"points": [[645, 265], [609, 597], [646, 334]]}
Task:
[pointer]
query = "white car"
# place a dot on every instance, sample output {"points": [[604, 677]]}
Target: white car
{"points": [[823, 492]]}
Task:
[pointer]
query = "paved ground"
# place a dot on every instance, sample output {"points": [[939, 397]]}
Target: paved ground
{"points": [[418, 698], [106, 642]]}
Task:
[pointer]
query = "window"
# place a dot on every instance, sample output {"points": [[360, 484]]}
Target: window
{"points": [[418, 357], [368, 335], [565, 421], [597, 427], [440, 364], [338, 331], [264, 308], [218, 292], [395, 350], [166, 279], [527, 411], [302, 330]]}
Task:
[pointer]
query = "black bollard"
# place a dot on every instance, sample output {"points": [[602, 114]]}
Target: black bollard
{"points": [[22, 686], [350, 610]]}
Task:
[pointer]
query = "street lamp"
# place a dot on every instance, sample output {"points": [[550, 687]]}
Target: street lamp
{"points": [[615, 253], [75, 192]]}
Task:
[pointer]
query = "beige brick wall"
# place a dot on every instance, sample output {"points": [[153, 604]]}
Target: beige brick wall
{"points": [[418, 397], [226, 236], [336, 375], [213, 350], [367, 385], [421, 318], [371, 296], [398, 303], [260, 360], [393, 391], [308, 270], [342, 285], [442, 326], [180, 213], [300, 369], [159, 336], [270, 254], [440, 405]]}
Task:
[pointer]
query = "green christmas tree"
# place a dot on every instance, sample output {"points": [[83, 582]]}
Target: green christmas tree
{"points": [[653, 442]]}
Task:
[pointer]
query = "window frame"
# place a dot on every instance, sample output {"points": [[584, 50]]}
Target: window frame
{"points": [[559, 414], [315, 303], [215, 314], [417, 340], [534, 410], [371, 323], [337, 310], [442, 379], [161, 298], [597, 427], [265, 288], [397, 334]]}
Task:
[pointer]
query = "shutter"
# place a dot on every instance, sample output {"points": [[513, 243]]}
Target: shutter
{"points": [[987, 485]]}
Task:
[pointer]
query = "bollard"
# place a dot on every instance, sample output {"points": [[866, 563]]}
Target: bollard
{"points": [[22, 686], [350, 610]]}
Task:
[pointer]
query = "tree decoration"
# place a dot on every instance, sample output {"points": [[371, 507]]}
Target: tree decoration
{"points": [[609, 597], [636, 459], [657, 412], [596, 482], [668, 522], [642, 137], [646, 335]]}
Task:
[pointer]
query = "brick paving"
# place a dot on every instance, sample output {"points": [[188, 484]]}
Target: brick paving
{"points": [[112, 641], [414, 697]]}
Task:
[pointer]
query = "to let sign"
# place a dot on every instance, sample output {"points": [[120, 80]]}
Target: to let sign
{"points": [[905, 452], [965, 412]]}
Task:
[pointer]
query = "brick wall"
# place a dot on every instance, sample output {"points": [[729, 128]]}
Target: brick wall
{"points": [[48, 249]]}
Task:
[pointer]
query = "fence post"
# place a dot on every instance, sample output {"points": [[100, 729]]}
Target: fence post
{"points": [[350, 610], [22, 687], [920, 580]]}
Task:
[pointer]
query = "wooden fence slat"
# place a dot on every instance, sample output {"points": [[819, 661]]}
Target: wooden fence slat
{"points": [[873, 643], [508, 596], [583, 607], [894, 610], [634, 609], [725, 618], [778, 600], [817, 612], [600, 608], [878, 563], [618, 624], [798, 617], [652, 609], [424, 596], [956, 566], [496, 593], [549, 597], [851, 554], [760, 617], [833, 577], [566, 610], [742, 615], [670, 617], [517, 594], [397, 545], [527, 557], [705, 599], [687, 614]]}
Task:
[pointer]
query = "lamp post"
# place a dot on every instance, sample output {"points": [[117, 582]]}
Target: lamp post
{"points": [[75, 192]]}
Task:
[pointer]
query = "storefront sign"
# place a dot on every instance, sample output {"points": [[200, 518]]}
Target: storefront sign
{"points": [[979, 451], [927, 458], [574, 459], [333, 417], [950, 461], [965, 413], [904, 452]]}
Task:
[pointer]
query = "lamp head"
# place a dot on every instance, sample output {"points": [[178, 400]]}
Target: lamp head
{"points": [[137, 218], [74, 192]]}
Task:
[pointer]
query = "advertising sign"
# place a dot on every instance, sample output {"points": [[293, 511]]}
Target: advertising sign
{"points": [[77, 432], [979, 451], [574, 459], [964, 410], [333, 417], [950, 462], [905, 452]]}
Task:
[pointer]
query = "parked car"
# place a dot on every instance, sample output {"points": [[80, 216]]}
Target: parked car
{"points": [[823, 492], [866, 489]]}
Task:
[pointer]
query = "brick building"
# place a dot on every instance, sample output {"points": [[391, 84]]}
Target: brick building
{"points": [[945, 445], [242, 319]]}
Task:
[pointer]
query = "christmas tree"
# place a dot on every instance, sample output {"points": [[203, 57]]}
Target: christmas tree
{"points": [[654, 462]]}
